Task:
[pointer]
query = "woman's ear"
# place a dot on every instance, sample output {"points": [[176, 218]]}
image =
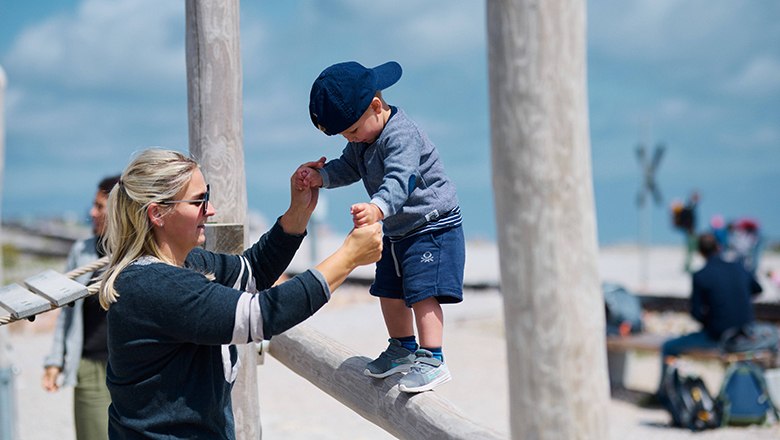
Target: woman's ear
{"points": [[155, 215]]}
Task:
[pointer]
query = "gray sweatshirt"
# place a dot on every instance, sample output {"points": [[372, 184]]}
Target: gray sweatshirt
{"points": [[402, 173]]}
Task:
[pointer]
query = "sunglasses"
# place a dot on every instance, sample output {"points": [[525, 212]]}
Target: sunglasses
{"points": [[204, 202]]}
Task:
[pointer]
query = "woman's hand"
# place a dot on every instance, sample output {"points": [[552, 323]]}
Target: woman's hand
{"points": [[362, 246], [303, 200]]}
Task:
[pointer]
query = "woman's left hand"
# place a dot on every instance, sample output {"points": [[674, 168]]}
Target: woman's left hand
{"points": [[303, 200]]}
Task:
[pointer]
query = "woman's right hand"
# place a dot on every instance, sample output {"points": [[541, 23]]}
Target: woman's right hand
{"points": [[362, 246], [365, 244]]}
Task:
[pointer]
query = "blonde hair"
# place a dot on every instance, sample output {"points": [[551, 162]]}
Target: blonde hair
{"points": [[154, 176]]}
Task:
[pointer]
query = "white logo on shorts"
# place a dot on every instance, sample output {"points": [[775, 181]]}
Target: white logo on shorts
{"points": [[427, 257]]}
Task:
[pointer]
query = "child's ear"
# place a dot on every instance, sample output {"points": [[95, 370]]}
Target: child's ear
{"points": [[376, 105]]}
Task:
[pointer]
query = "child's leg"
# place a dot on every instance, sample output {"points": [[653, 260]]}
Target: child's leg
{"points": [[430, 322], [429, 369], [398, 317], [399, 355], [399, 321]]}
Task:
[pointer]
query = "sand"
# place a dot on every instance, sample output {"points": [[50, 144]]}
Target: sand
{"points": [[292, 408]]}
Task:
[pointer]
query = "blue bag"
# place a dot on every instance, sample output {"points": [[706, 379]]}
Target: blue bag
{"points": [[744, 395], [622, 308]]}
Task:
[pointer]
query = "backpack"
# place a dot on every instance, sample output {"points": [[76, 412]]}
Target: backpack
{"points": [[688, 401], [622, 308], [744, 395]]}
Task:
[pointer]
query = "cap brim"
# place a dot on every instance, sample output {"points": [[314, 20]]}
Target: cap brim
{"points": [[387, 74]]}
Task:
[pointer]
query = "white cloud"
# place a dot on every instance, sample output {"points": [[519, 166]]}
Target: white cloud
{"points": [[442, 32], [672, 30], [759, 77], [425, 32], [763, 138], [105, 44]]}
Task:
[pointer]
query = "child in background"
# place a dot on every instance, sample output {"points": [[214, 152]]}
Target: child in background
{"points": [[424, 250]]}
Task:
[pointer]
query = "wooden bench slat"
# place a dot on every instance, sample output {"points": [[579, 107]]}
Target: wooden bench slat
{"points": [[55, 287], [21, 302]]}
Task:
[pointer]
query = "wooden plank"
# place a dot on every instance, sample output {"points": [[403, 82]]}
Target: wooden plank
{"points": [[21, 302], [55, 287], [641, 341], [652, 342], [338, 371]]}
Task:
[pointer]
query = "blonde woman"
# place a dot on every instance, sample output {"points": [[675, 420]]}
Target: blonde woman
{"points": [[174, 309]]}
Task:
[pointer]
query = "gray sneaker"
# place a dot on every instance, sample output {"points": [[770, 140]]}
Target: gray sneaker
{"points": [[426, 373], [396, 359]]}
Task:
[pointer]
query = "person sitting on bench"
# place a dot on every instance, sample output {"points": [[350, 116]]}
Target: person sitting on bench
{"points": [[721, 298]]}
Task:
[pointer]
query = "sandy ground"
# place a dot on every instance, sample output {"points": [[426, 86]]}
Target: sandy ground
{"points": [[292, 408]]}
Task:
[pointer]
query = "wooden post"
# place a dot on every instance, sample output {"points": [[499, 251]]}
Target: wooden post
{"points": [[7, 391], [553, 306], [338, 371], [216, 140]]}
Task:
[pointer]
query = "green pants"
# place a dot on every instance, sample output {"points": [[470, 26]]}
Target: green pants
{"points": [[91, 400]]}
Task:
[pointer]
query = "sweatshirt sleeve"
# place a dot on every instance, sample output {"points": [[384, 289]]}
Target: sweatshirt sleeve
{"points": [[276, 310], [256, 268], [342, 171]]}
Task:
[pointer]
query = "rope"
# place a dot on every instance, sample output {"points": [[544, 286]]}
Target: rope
{"points": [[91, 267], [73, 274]]}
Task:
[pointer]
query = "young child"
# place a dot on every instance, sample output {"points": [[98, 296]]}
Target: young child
{"points": [[424, 251]]}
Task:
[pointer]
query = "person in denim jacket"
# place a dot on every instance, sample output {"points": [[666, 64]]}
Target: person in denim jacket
{"points": [[79, 352]]}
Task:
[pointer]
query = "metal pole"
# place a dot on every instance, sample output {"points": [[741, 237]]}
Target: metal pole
{"points": [[7, 393], [214, 88]]}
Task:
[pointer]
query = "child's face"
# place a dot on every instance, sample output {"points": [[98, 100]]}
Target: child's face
{"points": [[369, 126]]}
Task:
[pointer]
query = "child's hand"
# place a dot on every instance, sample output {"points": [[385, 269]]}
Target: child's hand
{"points": [[307, 176], [364, 214]]}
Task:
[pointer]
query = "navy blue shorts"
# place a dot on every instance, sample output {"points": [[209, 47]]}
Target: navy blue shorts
{"points": [[422, 266]]}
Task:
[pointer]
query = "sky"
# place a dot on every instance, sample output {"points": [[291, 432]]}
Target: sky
{"points": [[90, 82]]}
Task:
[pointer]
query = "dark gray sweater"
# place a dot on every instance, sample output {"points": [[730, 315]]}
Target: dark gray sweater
{"points": [[402, 173], [170, 368]]}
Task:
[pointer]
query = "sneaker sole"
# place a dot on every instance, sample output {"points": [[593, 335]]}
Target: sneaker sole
{"points": [[403, 368], [428, 386]]}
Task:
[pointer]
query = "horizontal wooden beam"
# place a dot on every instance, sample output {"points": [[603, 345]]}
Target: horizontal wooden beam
{"points": [[338, 371]]}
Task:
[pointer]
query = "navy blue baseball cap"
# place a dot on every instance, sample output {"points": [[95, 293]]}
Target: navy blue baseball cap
{"points": [[343, 92]]}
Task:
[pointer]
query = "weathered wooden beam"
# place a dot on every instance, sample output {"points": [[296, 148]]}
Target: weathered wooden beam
{"points": [[548, 249], [214, 84], [7, 387], [338, 371]]}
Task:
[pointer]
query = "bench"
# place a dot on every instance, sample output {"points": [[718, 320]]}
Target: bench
{"points": [[619, 346]]}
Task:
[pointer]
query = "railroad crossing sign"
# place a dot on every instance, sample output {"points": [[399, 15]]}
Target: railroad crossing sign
{"points": [[649, 168]]}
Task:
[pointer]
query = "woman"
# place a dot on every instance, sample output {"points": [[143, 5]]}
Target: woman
{"points": [[173, 307]]}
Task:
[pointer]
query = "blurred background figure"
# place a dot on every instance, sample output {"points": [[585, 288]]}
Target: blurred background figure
{"points": [[720, 230], [722, 297], [745, 243], [79, 351], [684, 219]]}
